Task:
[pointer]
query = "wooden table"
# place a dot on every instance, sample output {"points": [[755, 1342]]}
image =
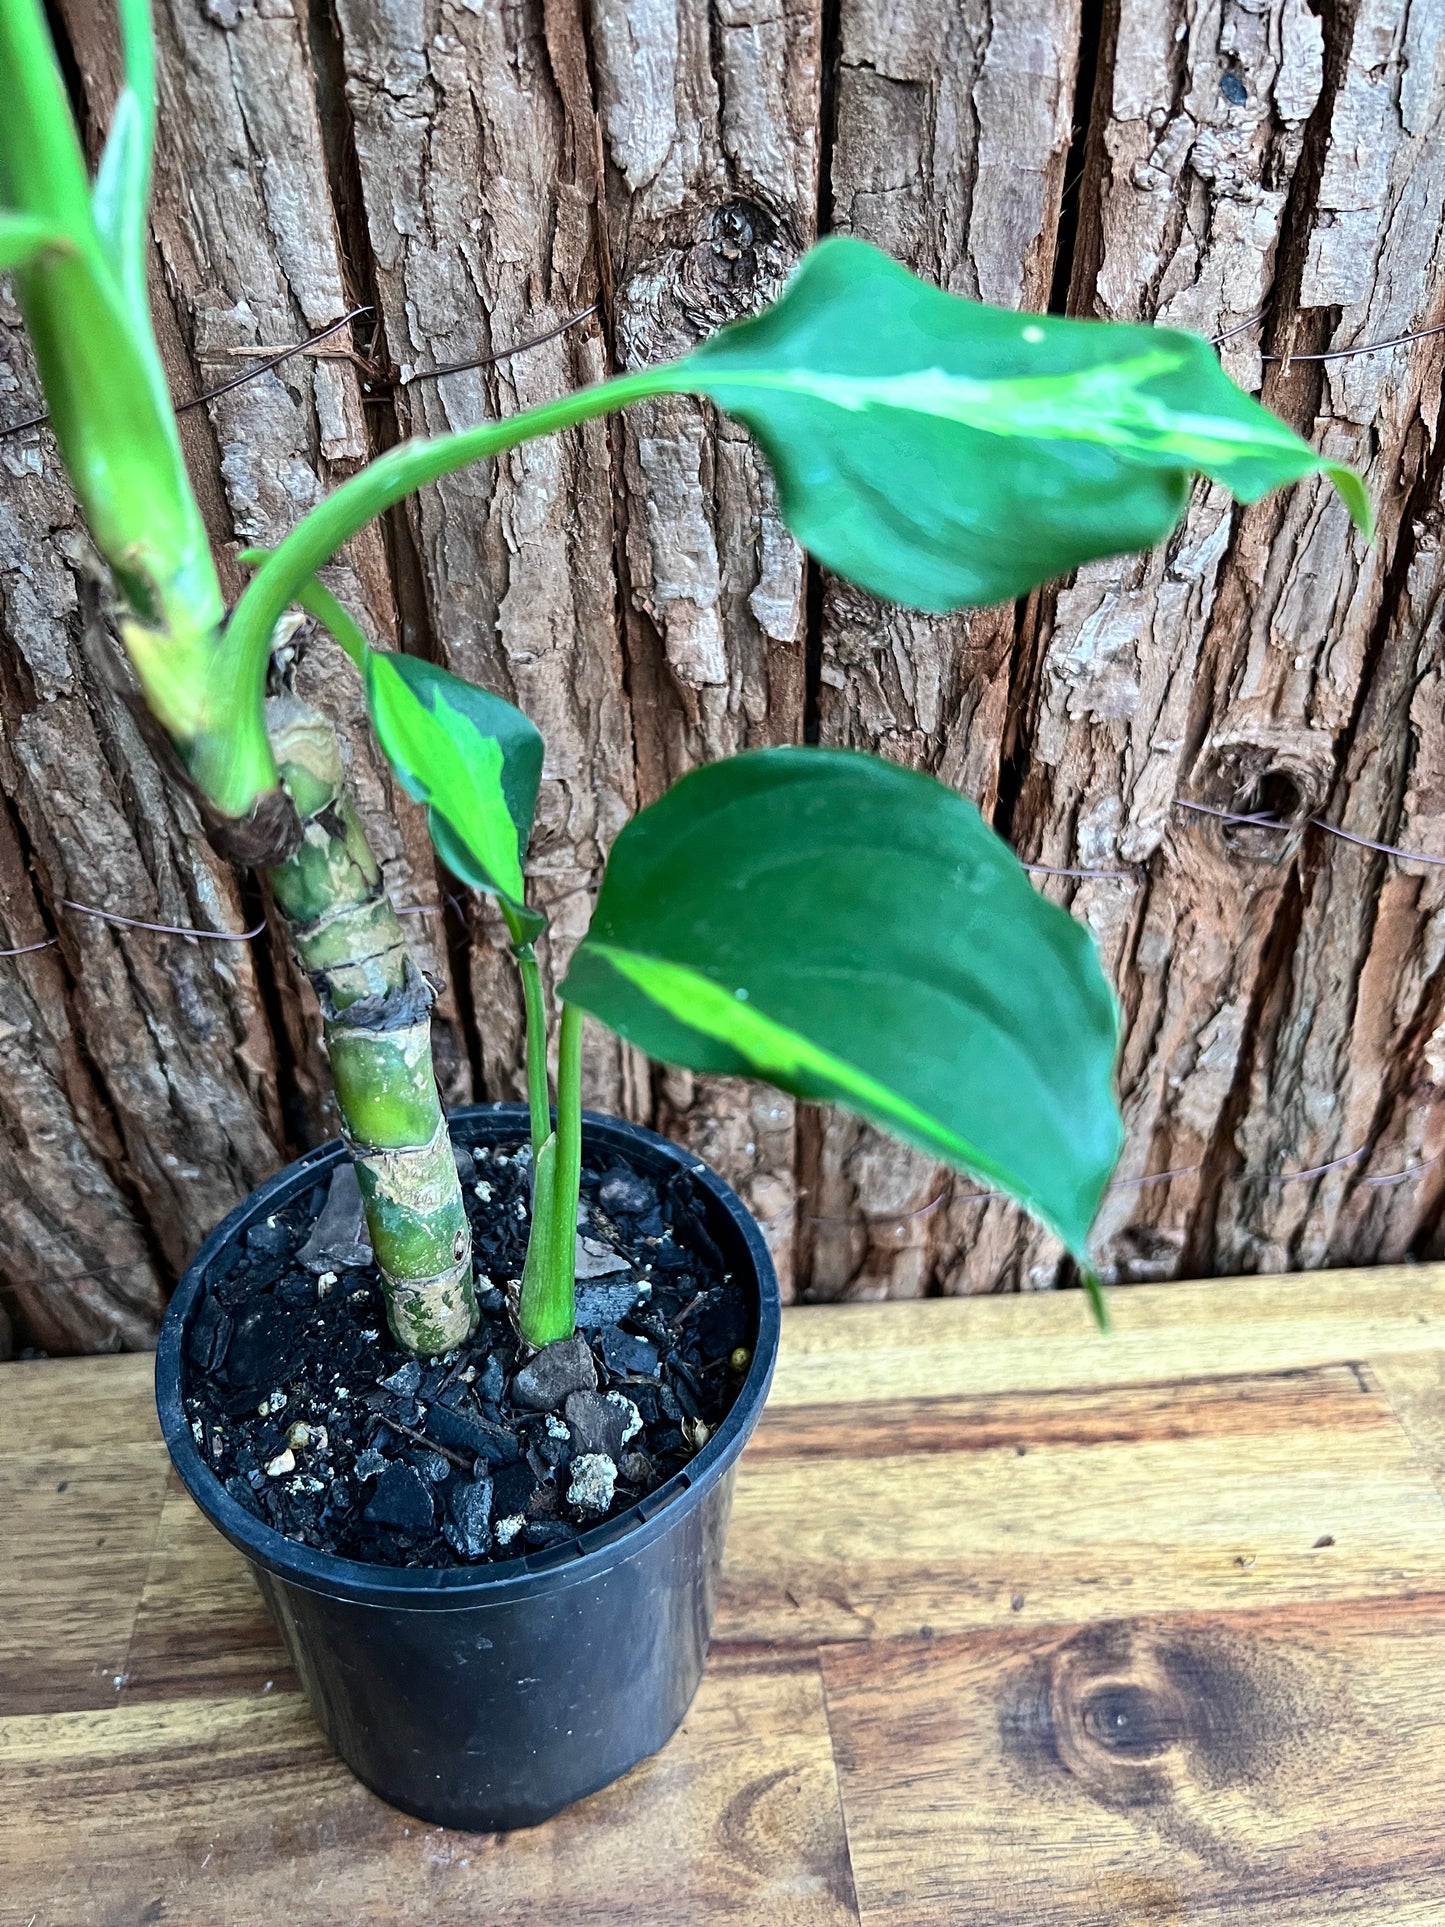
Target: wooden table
{"points": [[1020, 1625]]}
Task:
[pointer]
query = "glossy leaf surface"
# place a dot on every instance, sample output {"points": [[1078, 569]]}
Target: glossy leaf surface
{"points": [[853, 932], [474, 760], [943, 453]]}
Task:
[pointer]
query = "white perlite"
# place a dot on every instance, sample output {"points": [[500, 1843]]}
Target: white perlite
{"points": [[594, 1479], [631, 1416]]}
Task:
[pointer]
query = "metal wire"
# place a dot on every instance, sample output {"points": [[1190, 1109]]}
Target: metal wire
{"points": [[501, 354], [236, 381], [1364, 348], [324, 334], [1267, 820]]}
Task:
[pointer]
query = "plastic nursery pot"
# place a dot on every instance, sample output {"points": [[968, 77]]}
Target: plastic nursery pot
{"points": [[490, 1698]]}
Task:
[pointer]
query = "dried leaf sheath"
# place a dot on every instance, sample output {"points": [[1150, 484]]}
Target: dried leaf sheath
{"points": [[376, 1006]]}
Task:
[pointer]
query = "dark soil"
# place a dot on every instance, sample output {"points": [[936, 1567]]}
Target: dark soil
{"points": [[316, 1422]]}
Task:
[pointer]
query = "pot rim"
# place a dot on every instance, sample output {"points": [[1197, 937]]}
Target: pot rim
{"points": [[505, 1581]]}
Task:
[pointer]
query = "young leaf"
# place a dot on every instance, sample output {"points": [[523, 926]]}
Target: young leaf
{"points": [[942, 453], [473, 759], [110, 408], [935, 451], [852, 932], [121, 197]]}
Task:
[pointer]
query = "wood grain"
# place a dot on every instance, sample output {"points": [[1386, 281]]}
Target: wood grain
{"points": [[868, 1353], [1118, 1632], [234, 1810], [200, 1630], [1057, 1507], [1278, 1766], [79, 1528]]}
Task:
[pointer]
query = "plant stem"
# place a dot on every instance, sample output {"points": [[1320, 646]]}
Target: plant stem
{"points": [[388, 480], [535, 1008], [536, 1013], [110, 406], [569, 1134], [376, 1007], [106, 391], [547, 1308]]}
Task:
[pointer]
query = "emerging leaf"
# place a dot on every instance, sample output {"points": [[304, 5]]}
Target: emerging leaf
{"points": [[852, 932], [122, 189], [942, 453], [473, 759]]}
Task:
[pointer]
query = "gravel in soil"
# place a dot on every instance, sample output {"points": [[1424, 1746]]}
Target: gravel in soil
{"points": [[311, 1417]]}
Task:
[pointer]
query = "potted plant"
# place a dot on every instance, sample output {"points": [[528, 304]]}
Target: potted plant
{"points": [[485, 1498]]}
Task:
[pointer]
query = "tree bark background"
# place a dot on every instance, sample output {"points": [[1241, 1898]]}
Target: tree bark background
{"points": [[1268, 171]]}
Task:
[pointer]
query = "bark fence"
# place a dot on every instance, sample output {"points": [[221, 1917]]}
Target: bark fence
{"points": [[472, 177]]}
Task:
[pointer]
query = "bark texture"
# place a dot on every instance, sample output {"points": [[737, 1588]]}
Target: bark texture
{"points": [[478, 175]]}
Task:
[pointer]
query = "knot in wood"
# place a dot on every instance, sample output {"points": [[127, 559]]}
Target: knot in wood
{"points": [[1135, 1719], [1280, 784], [1131, 1720], [737, 265]]}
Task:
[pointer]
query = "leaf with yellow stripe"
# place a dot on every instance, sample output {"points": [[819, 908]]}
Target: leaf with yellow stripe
{"points": [[853, 933]]}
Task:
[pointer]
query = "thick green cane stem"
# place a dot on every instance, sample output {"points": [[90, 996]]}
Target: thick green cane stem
{"points": [[109, 405], [376, 1006]]}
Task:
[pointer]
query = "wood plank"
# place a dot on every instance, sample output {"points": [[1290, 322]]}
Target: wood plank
{"points": [[1076, 1502], [883, 1352], [79, 1527], [874, 1354], [201, 1629], [59, 1404], [1180, 1641], [1414, 1383], [957, 1513], [1282, 1766], [872, 1524], [233, 1813]]}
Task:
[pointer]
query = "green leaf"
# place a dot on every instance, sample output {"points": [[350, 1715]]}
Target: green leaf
{"points": [[473, 759], [852, 932], [942, 453], [25, 236]]}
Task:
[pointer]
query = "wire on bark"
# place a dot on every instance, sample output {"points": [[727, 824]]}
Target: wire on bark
{"points": [[236, 381], [1267, 820], [324, 334]]}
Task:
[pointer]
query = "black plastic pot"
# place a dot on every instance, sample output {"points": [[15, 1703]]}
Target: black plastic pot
{"points": [[491, 1698]]}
